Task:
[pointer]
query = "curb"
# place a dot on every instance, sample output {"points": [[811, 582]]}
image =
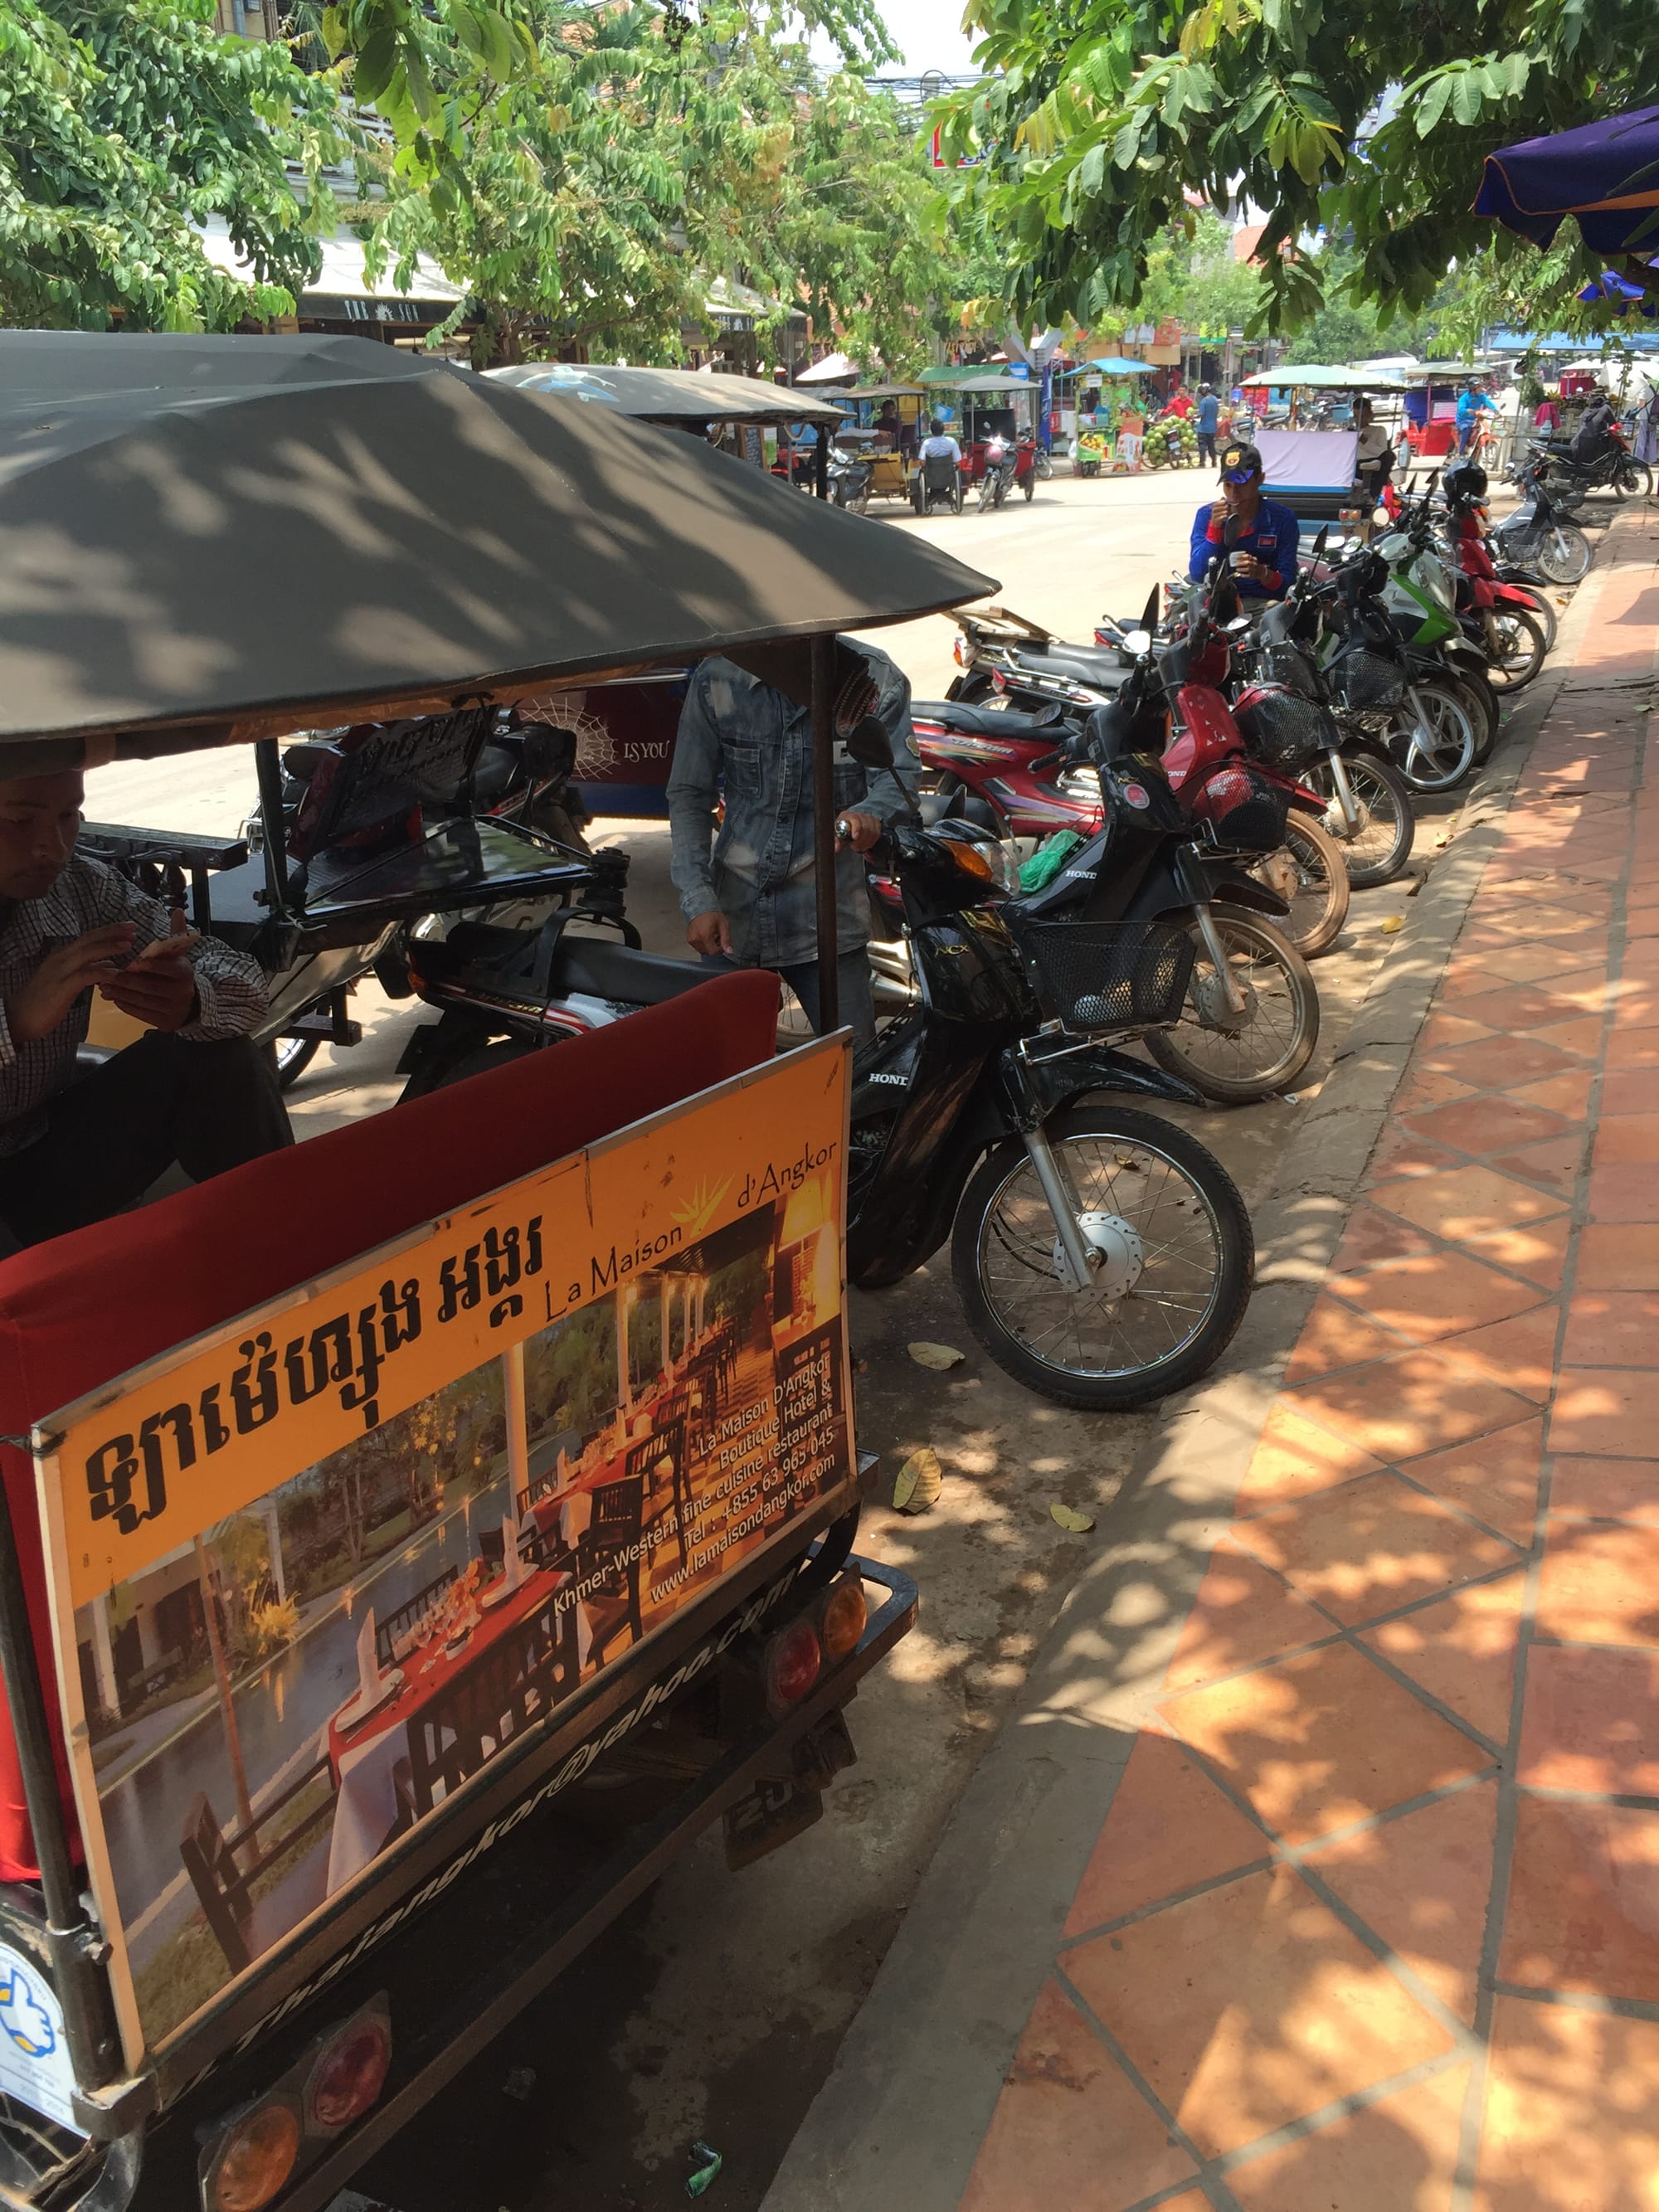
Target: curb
{"points": [[902, 2115]]}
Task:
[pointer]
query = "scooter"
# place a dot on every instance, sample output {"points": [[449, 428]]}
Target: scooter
{"points": [[1001, 462], [1541, 533]]}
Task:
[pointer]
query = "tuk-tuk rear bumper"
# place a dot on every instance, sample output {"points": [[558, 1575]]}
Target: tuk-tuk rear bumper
{"points": [[439, 2026]]}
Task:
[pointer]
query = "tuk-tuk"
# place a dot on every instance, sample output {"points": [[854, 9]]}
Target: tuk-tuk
{"points": [[979, 404], [731, 411], [877, 452], [364, 1510]]}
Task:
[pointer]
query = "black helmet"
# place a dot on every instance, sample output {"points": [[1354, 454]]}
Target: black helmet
{"points": [[1465, 481]]}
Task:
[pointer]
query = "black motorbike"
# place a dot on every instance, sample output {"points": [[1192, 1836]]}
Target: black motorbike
{"points": [[1541, 533]]}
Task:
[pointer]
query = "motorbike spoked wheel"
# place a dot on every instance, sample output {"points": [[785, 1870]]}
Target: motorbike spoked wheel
{"points": [[1237, 1057], [1632, 480], [1177, 1261], [1436, 751], [292, 1056], [1561, 552], [1480, 701], [1521, 649], [1380, 845], [1309, 871]]}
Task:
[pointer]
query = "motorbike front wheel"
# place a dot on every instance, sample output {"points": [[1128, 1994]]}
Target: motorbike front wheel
{"points": [[1309, 872], [1561, 552], [1231, 1056], [1380, 843], [1434, 748], [1176, 1260], [1520, 648]]}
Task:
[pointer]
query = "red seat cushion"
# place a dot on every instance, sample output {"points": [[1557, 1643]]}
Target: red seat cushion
{"points": [[82, 1309]]}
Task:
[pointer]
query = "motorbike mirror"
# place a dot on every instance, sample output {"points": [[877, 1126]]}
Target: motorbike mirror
{"points": [[1149, 617], [1232, 531], [1380, 519], [869, 744], [1321, 542]]}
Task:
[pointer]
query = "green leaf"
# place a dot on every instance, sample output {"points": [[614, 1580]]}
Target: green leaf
{"points": [[1466, 100], [376, 61], [1432, 105]]}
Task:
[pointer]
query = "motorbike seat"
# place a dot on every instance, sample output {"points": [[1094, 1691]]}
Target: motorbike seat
{"points": [[1097, 666], [491, 778], [600, 969], [986, 721]]}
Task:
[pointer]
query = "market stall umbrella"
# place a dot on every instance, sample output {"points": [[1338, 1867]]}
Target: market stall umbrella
{"points": [[1606, 174], [180, 569]]}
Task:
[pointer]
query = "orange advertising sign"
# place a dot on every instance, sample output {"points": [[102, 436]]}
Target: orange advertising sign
{"points": [[312, 1572]]}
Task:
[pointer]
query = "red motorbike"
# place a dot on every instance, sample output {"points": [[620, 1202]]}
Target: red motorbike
{"points": [[1016, 774]]}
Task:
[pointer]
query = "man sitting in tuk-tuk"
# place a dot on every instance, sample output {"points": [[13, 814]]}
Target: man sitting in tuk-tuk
{"points": [[75, 1145], [748, 894]]}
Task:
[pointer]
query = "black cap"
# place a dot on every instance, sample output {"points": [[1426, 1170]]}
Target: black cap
{"points": [[1241, 465]]}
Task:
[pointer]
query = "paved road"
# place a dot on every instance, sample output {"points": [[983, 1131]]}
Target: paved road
{"points": [[716, 2011]]}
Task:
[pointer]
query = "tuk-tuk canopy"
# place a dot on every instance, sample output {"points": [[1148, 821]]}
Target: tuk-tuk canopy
{"points": [[883, 392], [64, 363], [189, 567], [1319, 376], [977, 380], [670, 395]]}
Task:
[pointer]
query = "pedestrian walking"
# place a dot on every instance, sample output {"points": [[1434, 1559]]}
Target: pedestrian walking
{"points": [[1208, 421]]}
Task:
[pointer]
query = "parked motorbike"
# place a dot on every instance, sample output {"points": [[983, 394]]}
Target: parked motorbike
{"points": [[1572, 481], [1540, 533], [1001, 463], [849, 474], [1504, 615], [348, 795]]}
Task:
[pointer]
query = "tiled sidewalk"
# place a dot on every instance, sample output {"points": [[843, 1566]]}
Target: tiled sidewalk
{"points": [[1373, 1920]]}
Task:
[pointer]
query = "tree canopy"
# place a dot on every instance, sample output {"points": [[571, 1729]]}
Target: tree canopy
{"points": [[591, 203], [120, 126], [1100, 120]]}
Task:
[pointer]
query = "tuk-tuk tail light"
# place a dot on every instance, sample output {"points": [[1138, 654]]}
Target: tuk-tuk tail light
{"points": [[255, 2158], [845, 1613], [349, 2075], [794, 1660]]}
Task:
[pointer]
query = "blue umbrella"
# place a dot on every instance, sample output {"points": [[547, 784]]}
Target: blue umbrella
{"points": [[1609, 285], [1606, 175]]}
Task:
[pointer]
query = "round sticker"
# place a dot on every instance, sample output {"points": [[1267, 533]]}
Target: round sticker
{"points": [[1136, 794]]}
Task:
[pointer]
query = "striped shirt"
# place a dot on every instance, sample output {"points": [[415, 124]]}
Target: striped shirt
{"points": [[230, 988]]}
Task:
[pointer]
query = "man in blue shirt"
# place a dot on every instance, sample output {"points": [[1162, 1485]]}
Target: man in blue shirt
{"points": [[1472, 401], [1264, 548], [1209, 415]]}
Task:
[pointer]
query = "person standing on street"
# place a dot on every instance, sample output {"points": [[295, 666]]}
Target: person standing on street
{"points": [[747, 889], [1263, 553], [78, 1145], [1208, 420]]}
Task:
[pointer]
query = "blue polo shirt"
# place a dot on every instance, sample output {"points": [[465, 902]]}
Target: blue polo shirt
{"points": [[1274, 539], [1209, 413]]}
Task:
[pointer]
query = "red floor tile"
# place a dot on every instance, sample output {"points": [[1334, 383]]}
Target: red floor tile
{"points": [[1489, 1125], [1606, 1489], [1627, 1137], [1334, 1336], [1370, 1547], [1629, 1091], [1519, 1352], [1399, 2155], [1372, 1237], [1494, 1478], [1463, 1651], [1168, 1829], [1437, 1295], [1591, 1721], [1611, 1328], [1628, 1192], [1249, 2007], [1417, 1402], [1316, 1743], [1296, 1455], [1600, 1583], [1625, 1257], [1613, 1411], [1556, 1163], [1572, 2113], [1069, 2128], [1242, 1614], [1423, 1883], [1466, 1202], [1583, 1914], [1537, 1250]]}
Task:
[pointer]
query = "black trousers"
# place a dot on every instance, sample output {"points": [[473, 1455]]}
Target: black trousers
{"points": [[208, 1107]]}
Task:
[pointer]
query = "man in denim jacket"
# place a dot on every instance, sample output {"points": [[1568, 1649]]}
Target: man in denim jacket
{"points": [[747, 891]]}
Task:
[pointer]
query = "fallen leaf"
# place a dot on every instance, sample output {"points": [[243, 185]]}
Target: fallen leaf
{"points": [[919, 1481], [1067, 1517], [1393, 925], [938, 1356]]}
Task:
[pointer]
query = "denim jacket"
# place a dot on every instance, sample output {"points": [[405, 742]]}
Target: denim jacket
{"points": [[741, 737]]}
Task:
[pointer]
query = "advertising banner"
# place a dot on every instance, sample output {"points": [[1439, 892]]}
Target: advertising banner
{"points": [[312, 1572]]}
